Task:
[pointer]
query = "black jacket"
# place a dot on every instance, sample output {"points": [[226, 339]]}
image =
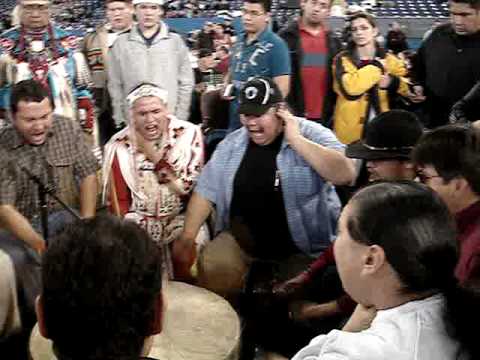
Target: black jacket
{"points": [[447, 65], [467, 109], [396, 41], [291, 35]]}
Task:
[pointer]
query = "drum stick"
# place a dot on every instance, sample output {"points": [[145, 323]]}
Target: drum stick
{"points": [[113, 197]]}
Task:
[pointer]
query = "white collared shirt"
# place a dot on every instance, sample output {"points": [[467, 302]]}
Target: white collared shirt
{"points": [[412, 331]]}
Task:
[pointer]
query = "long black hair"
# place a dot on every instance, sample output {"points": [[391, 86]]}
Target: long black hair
{"points": [[417, 232]]}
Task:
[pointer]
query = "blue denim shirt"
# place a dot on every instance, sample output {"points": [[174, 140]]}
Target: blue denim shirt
{"points": [[311, 203]]}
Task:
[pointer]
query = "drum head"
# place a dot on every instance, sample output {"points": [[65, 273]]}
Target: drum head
{"points": [[40, 348], [198, 325]]}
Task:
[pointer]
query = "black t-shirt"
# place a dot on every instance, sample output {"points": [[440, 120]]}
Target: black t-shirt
{"points": [[258, 216], [149, 41]]}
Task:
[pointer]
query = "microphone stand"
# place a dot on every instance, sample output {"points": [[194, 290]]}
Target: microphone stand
{"points": [[43, 192]]}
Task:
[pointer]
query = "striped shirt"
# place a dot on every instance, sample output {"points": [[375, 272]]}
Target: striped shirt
{"points": [[314, 71]]}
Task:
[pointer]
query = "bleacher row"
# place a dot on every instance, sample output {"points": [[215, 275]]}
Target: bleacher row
{"points": [[412, 8]]}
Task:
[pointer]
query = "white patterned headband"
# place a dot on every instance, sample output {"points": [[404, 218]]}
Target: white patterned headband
{"points": [[156, 2], [144, 91], [33, 2]]}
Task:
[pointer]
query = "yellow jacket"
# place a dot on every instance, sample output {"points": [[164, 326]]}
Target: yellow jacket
{"points": [[357, 89]]}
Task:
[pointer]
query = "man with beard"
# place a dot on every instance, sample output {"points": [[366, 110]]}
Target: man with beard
{"points": [[312, 49]]}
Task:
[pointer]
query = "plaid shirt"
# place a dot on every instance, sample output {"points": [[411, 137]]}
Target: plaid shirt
{"points": [[63, 161]]}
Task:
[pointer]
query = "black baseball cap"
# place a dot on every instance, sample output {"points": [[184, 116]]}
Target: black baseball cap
{"points": [[258, 95]]}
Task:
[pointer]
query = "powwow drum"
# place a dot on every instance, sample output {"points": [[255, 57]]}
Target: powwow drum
{"points": [[198, 325]]}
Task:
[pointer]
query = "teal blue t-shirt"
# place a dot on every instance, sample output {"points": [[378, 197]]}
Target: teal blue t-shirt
{"points": [[267, 56]]}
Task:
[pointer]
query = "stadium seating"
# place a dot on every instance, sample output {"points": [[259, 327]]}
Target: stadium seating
{"points": [[408, 8]]}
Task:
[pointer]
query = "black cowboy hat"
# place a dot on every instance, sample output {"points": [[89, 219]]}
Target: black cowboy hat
{"points": [[390, 135]]}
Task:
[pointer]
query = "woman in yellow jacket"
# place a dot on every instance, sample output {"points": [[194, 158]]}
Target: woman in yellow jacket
{"points": [[365, 79]]}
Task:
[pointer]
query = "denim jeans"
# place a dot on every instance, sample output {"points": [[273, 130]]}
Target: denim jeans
{"points": [[26, 265]]}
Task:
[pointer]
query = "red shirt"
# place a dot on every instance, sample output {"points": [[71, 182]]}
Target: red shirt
{"points": [[222, 66], [314, 71], [468, 225], [345, 302], [121, 190]]}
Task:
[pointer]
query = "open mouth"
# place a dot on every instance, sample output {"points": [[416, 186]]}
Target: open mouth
{"points": [[372, 175], [151, 130], [256, 133], [37, 137]]}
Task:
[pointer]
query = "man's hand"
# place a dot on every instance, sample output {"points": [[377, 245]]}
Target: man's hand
{"points": [[39, 246], [385, 81], [306, 310], [148, 149], [183, 256], [290, 125], [302, 310], [361, 318], [416, 94], [165, 173], [290, 287], [226, 92], [457, 114], [20, 227]]}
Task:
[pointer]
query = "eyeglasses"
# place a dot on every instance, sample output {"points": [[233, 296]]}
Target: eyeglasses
{"points": [[252, 13], [35, 7], [425, 177]]}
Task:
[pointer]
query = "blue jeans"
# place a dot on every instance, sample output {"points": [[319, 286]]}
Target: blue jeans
{"points": [[26, 262]]}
